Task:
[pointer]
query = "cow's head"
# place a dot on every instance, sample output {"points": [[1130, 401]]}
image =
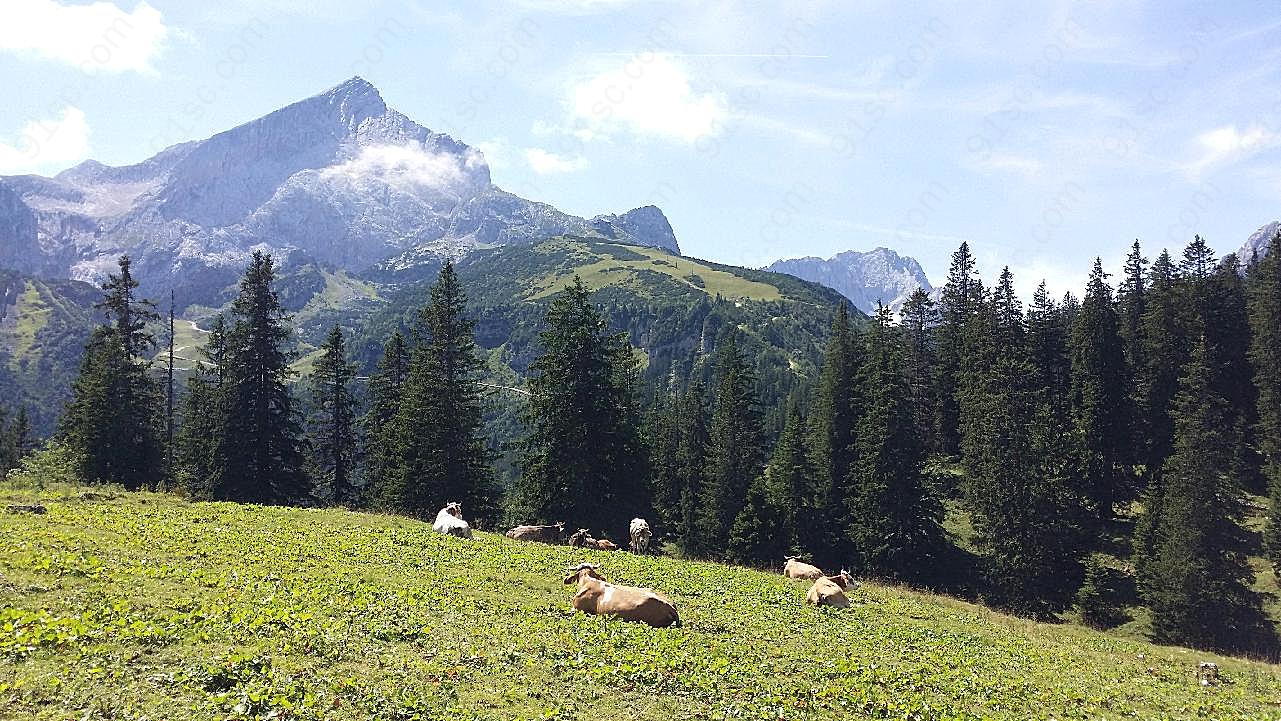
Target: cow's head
{"points": [[577, 572], [454, 509]]}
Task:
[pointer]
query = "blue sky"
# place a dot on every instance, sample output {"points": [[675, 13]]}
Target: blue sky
{"points": [[1043, 134]]}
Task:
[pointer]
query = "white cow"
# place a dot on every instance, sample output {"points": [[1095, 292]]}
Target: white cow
{"points": [[449, 521], [640, 535]]}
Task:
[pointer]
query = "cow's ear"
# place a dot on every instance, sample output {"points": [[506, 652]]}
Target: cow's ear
{"points": [[571, 578]]}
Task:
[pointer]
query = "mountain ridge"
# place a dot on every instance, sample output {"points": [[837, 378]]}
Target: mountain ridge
{"points": [[339, 177], [864, 277]]}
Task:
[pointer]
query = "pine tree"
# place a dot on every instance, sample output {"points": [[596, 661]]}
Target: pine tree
{"points": [[789, 484], [662, 438], [960, 301], [691, 465], [582, 460], [201, 441], [894, 521], [8, 450], [1265, 357], [756, 537], [22, 434], [1197, 579], [920, 319], [1047, 334], [834, 421], [1132, 302], [112, 421], [735, 446], [440, 453], [1020, 473], [385, 391], [1164, 352], [260, 429], [1098, 395], [332, 423], [127, 314], [1228, 336]]}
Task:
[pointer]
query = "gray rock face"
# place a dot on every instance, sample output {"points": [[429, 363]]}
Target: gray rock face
{"points": [[863, 277], [338, 178], [1258, 242]]}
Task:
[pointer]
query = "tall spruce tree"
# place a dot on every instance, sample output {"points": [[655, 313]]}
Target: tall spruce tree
{"points": [[735, 446], [112, 423], [128, 314], [895, 523], [691, 468], [756, 536], [834, 422], [440, 452], [960, 300], [1197, 580], [1020, 480], [332, 427], [386, 385], [1228, 336], [662, 439], [261, 441], [1132, 302], [1047, 339], [201, 437], [1099, 397], [1265, 356], [789, 483], [583, 461], [1164, 351], [920, 318]]}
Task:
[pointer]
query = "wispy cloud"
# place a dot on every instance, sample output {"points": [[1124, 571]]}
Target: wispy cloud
{"points": [[46, 145], [544, 162], [96, 37], [410, 168], [1227, 145], [650, 96]]}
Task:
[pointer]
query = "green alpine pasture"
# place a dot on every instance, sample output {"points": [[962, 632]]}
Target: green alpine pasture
{"points": [[146, 606]]}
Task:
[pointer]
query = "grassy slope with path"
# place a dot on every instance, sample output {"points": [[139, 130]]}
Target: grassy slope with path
{"points": [[142, 605]]}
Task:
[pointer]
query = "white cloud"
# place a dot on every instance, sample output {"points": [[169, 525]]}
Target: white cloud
{"points": [[545, 163], [1228, 145], [649, 95], [96, 37], [47, 145], [410, 168]]}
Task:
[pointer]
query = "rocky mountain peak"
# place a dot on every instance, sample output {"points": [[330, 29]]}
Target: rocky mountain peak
{"points": [[338, 178], [865, 277]]}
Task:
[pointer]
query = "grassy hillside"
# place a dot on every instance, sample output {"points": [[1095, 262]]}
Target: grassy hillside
{"points": [[140, 605], [43, 327]]}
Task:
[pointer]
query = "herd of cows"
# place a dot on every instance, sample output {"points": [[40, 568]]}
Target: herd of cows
{"points": [[599, 597]]}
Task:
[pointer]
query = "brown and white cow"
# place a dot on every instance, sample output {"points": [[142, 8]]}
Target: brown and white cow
{"points": [[554, 534], [830, 590], [599, 597], [794, 568], [640, 534], [449, 521]]}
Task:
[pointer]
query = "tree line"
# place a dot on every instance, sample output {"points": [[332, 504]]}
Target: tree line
{"points": [[1135, 419]]}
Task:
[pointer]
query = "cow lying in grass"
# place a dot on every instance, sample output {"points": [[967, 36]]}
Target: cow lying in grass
{"points": [[599, 597], [582, 538], [554, 534], [830, 590], [794, 568], [449, 521]]}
